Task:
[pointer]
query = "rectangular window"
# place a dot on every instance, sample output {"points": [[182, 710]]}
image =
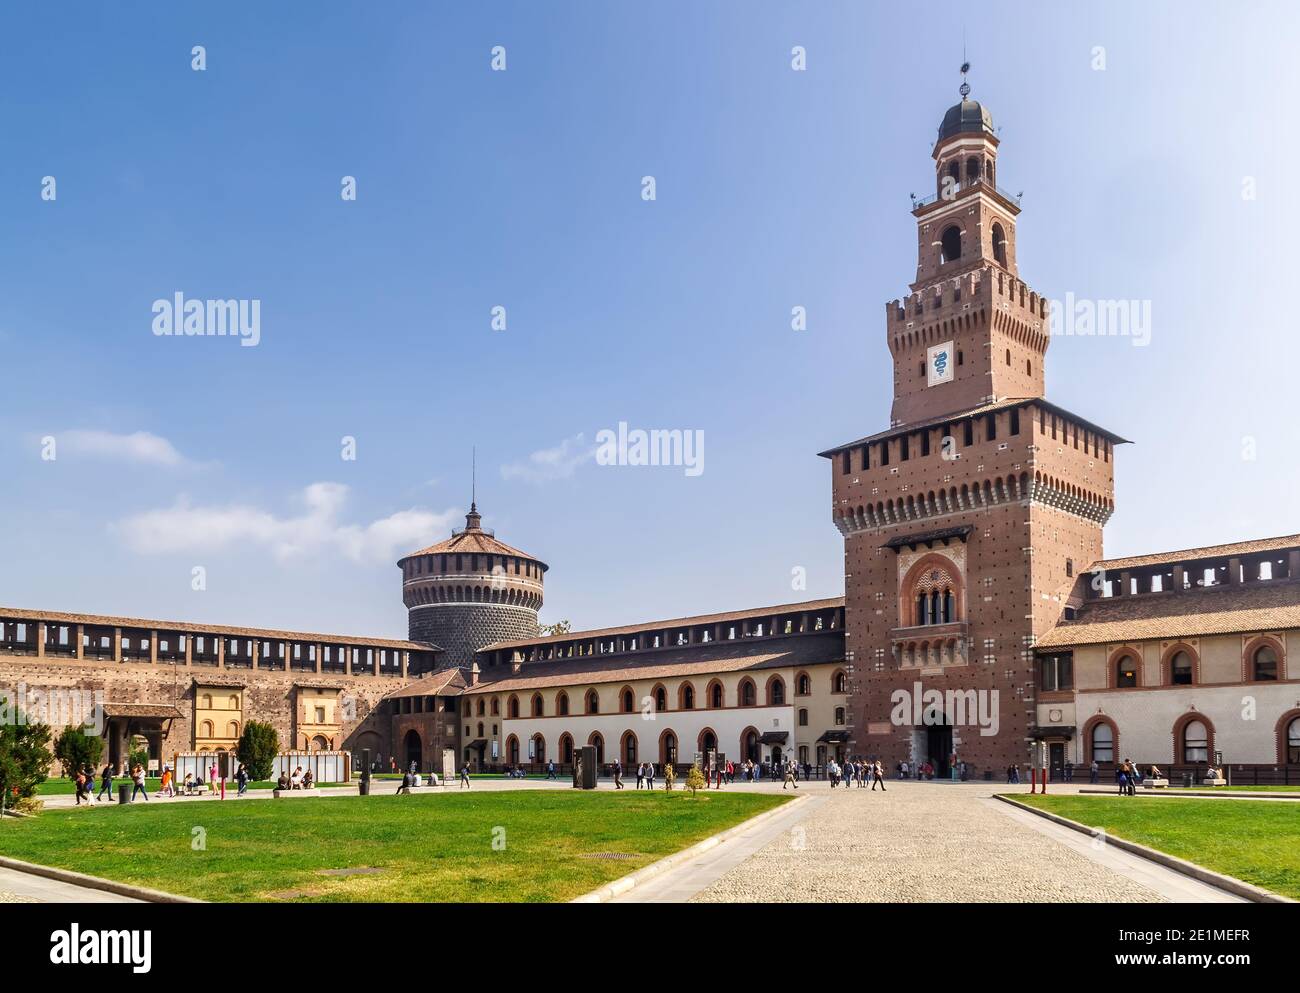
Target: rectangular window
{"points": [[925, 443], [991, 428], [1056, 671], [846, 463], [866, 457], [884, 453], [968, 433], [903, 449], [1015, 420]]}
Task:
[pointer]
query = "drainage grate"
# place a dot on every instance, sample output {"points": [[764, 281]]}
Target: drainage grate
{"points": [[610, 856]]}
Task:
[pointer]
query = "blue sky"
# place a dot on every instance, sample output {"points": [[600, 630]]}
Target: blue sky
{"points": [[522, 189]]}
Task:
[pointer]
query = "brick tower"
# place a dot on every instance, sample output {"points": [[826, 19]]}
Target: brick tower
{"points": [[965, 522], [470, 591]]}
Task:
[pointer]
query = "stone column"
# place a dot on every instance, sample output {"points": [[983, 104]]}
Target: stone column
{"points": [[320, 655], [257, 653], [79, 632], [153, 647], [117, 644]]}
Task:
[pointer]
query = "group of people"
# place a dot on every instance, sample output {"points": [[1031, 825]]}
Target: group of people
{"points": [[193, 785], [299, 779], [856, 771]]}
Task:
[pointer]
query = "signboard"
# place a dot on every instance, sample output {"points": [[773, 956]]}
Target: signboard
{"points": [[939, 362], [448, 766], [495, 747]]}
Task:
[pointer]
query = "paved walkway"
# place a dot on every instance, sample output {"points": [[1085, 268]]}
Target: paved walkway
{"points": [[920, 842], [23, 887]]}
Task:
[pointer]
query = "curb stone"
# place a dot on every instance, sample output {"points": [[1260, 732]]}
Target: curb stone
{"points": [[625, 883], [94, 882], [1231, 884]]}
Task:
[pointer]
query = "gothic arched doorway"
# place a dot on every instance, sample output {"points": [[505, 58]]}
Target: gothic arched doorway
{"points": [[414, 749]]}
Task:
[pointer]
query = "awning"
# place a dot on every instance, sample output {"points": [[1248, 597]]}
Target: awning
{"points": [[478, 743], [157, 711], [774, 737], [834, 736]]}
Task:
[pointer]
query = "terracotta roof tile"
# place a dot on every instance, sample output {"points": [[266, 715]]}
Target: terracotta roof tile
{"points": [[694, 660], [449, 681], [673, 622], [1218, 610]]}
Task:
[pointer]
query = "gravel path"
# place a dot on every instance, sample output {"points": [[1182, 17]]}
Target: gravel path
{"points": [[7, 897], [918, 843]]}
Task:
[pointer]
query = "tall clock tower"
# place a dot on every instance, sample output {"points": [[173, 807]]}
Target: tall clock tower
{"points": [[967, 519]]}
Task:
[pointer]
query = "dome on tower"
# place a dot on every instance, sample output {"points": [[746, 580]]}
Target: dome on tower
{"points": [[969, 115]]}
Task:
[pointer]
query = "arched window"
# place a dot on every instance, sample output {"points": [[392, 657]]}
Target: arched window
{"points": [[803, 717], [1180, 669], [688, 696], [465, 708], [232, 703], [629, 748], [512, 708], [232, 730], [803, 685], [206, 701], [480, 729], [748, 696], [973, 169], [1293, 742], [776, 693], [1264, 665], [661, 699], [478, 708], [512, 750], [566, 748], [999, 244], [1126, 673], [839, 716], [1196, 742], [562, 704], [593, 702], [206, 729], [840, 683], [496, 707], [715, 696], [537, 705], [1103, 743], [950, 244], [627, 701], [668, 749]]}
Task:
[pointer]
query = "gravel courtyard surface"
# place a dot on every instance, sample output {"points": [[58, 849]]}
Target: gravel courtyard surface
{"points": [[920, 842]]}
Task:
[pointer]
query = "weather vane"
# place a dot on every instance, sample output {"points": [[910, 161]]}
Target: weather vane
{"points": [[964, 89]]}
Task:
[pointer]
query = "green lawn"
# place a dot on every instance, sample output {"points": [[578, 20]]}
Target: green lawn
{"points": [[431, 848], [1258, 841]]}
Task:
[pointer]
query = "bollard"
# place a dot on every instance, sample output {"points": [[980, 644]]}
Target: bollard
{"points": [[1033, 780]]}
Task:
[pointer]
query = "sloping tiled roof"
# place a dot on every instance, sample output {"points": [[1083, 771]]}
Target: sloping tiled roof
{"points": [[1004, 404], [158, 710], [1204, 552], [1218, 610], [186, 627], [695, 660], [673, 622], [468, 542], [448, 681]]}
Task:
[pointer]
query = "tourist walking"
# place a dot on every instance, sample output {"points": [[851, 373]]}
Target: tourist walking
{"points": [[649, 775], [879, 776], [618, 775], [1069, 772], [1092, 772], [241, 780], [790, 776], [464, 776], [106, 781], [550, 769], [137, 776]]}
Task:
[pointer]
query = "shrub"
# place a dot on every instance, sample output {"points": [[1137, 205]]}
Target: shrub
{"points": [[77, 750], [24, 755], [258, 747], [695, 780]]}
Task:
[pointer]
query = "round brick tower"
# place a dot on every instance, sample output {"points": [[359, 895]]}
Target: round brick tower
{"points": [[470, 591]]}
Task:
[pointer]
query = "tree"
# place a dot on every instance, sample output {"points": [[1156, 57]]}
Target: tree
{"points": [[77, 750], [695, 780], [24, 755], [559, 627], [258, 747]]}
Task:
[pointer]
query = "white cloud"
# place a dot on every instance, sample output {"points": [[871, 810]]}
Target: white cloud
{"points": [[184, 527], [552, 463], [141, 446]]}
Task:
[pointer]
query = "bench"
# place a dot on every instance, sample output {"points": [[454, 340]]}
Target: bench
{"points": [[1214, 782], [277, 794], [1153, 783]]}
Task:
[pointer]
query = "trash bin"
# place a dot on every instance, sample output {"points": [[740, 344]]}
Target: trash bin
{"points": [[124, 793], [1187, 780], [364, 788]]}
